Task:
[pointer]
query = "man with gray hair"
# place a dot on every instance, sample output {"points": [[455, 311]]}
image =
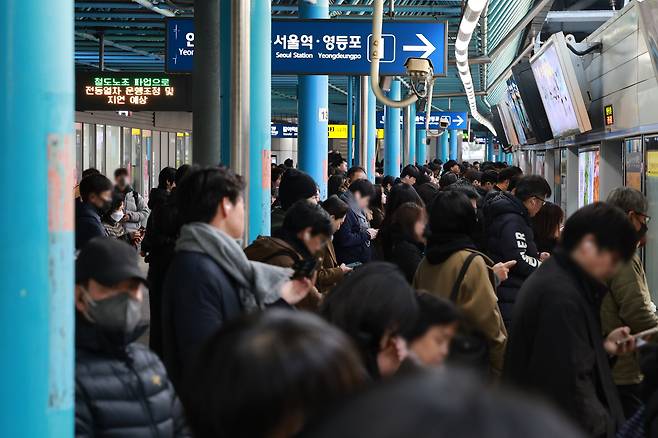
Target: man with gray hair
{"points": [[629, 301]]}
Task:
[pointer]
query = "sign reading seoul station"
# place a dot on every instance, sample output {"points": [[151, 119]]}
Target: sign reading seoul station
{"points": [[132, 92], [329, 47]]}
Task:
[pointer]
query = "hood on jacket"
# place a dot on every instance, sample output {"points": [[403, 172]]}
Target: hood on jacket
{"points": [[503, 203], [86, 209], [264, 249], [441, 246]]}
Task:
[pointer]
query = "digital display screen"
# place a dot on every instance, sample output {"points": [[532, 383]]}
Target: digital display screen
{"points": [[518, 112], [133, 92], [588, 177], [554, 92]]}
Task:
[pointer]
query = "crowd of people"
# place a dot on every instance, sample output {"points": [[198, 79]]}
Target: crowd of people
{"points": [[451, 301]]}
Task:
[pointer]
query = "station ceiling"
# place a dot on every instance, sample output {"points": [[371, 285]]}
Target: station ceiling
{"points": [[134, 34]]}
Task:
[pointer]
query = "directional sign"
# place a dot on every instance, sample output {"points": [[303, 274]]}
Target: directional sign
{"points": [[282, 130], [328, 46], [457, 120], [179, 45], [343, 47]]}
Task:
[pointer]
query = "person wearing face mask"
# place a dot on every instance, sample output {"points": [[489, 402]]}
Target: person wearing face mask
{"points": [[305, 231], [96, 201], [629, 301], [121, 388], [112, 218], [136, 210], [556, 349]]}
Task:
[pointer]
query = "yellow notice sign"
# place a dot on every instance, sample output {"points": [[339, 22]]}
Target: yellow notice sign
{"points": [[652, 163], [136, 131], [340, 132]]}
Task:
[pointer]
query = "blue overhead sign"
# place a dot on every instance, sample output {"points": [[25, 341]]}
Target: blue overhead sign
{"points": [[316, 47], [457, 120], [281, 130], [179, 45], [331, 47]]}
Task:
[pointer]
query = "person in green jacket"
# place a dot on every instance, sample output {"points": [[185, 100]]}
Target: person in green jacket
{"points": [[629, 301]]}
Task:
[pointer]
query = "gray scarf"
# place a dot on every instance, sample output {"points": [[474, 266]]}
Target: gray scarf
{"points": [[258, 284]]}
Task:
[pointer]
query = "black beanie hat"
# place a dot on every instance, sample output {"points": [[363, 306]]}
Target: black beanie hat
{"points": [[295, 185]]}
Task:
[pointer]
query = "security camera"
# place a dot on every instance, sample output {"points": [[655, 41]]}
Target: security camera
{"points": [[421, 74], [444, 122]]}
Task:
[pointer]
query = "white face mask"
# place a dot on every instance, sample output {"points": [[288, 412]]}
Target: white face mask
{"points": [[117, 215]]}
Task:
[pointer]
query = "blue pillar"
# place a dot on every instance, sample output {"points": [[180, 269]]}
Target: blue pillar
{"points": [[421, 146], [313, 111], [501, 154], [225, 77], [490, 149], [372, 133], [260, 140], [392, 134], [444, 147], [357, 121], [412, 134], [36, 258], [350, 119], [453, 143]]}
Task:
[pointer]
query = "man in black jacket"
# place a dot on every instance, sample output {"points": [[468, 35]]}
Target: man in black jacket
{"points": [[210, 280], [95, 201], [509, 236], [555, 348], [121, 388]]}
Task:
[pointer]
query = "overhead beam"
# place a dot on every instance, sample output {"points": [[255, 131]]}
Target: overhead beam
{"points": [[579, 16], [514, 33], [123, 47]]}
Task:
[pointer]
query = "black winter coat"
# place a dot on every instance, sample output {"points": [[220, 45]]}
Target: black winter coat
{"points": [[555, 348], [508, 235], [398, 248], [87, 224], [122, 390], [198, 298], [352, 244]]}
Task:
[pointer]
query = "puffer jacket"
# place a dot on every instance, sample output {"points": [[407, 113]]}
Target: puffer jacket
{"points": [[137, 211], [122, 389], [628, 304], [509, 236]]}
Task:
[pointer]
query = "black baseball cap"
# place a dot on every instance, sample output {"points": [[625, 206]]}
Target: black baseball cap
{"points": [[107, 261]]}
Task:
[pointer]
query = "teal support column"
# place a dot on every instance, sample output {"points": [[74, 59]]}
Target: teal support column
{"points": [[350, 120], [444, 147], [412, 134], [225, 78], [453, 143], [36, 258], [501, 154], [490, 149], [357, 122], [313, 110], [392, 134], [421, 146], [260, 140], [372, 133]]}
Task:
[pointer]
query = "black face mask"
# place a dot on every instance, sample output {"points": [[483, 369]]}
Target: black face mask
{"points": [[105, 207], [643, 231]]}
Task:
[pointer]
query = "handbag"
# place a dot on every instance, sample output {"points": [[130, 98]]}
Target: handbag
{"points": [[468, 348]]}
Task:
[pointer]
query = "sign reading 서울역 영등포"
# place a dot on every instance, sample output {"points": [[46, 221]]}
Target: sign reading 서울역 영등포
{"points": [[132, 91], [317, 47], [456, 120]]}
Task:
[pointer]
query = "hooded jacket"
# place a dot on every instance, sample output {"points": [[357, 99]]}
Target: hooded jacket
{"points": [[122, 388], [136, 210], [397, 247], [509, 236], [438, 272], [556, 347]]}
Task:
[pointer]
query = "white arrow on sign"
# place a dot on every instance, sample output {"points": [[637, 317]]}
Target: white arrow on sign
{"points": [[459, 120], [428, 48]]}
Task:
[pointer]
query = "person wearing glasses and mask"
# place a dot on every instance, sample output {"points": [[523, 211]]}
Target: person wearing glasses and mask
{"points": [[509, 236], [629, 301], [121, 387]]}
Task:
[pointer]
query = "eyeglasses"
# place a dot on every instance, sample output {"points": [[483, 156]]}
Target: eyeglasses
{"points": [[646, 217], [543, 201]]}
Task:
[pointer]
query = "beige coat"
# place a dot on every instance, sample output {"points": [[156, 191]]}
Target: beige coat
{"points": [[476, 299]]}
